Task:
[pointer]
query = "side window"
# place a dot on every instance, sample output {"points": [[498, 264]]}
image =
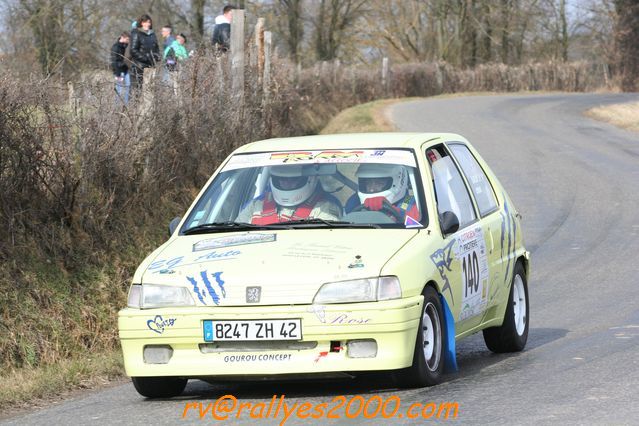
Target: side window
{"points": [[450, 189], [479, 183]]}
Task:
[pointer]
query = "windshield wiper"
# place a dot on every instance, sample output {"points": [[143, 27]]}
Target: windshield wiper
{"points": [[327, 223], [222, 227]]}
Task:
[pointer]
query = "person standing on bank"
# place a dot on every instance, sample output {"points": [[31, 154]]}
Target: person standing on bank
{"points": [[174, 56], [145, 51], [175, 53], [222, 31], [120, 67], [167, 35]]}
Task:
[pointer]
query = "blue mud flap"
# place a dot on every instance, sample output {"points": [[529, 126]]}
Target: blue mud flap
{"points": [[450, 357]]}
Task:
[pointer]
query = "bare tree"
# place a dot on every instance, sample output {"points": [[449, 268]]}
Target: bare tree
{"points": [[46, 19], [627, 47], [332, 21], [294, 33], [197, 6], [401, 29]]}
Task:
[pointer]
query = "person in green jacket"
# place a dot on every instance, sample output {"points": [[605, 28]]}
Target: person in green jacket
{"points": [[175, 53]]}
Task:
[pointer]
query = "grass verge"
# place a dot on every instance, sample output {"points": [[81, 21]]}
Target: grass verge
{"points": [[29, 387], [624, 115], [368, 117], [374, 116]]}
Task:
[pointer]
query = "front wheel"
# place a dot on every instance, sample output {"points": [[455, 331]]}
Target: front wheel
{"points": [[428, 358], [512, 335], [159, 387]]}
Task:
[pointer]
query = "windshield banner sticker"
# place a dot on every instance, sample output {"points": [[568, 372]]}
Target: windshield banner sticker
{"points": [[394, 156], [235, 240]]}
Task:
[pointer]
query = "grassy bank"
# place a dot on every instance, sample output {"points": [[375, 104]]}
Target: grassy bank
{"points": [[624, 115], [60, 365], [368, 117], [31, 387]]}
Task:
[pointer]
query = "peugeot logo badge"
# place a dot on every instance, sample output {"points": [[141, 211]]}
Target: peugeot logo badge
{"points": [[253, 294]]}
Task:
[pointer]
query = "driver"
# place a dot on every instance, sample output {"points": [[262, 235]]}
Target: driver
{"points": [[385, 184], [291, 196]]}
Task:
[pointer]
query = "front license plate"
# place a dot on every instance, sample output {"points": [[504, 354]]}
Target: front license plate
{"points": [[288, 329]]}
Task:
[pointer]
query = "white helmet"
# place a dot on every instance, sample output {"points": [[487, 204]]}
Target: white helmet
{"points": [[289, 185], [394, 186]]}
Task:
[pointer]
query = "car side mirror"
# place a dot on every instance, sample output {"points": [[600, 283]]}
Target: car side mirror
{"points": [[173, 224], [449, 222]]}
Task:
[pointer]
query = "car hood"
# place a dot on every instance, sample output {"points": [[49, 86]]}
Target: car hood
{"points": [[284, 267]]}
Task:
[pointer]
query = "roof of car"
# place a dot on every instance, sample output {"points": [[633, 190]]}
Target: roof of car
{"points": [[347, 141]]}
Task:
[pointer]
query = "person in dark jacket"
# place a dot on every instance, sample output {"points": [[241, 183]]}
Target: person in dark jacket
{"points": [[222, 31], [145, 51], [120, 67]]}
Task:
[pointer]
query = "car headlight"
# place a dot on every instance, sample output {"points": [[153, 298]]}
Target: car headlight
{"points": [[158, 296], [362, 290]]}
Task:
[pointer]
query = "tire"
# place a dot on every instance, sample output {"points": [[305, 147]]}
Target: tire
{"points": [[159, 387], [428, 357], [512, 335]]}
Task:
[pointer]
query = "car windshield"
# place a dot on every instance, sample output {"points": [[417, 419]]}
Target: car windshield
{"points": [[378, 188]]}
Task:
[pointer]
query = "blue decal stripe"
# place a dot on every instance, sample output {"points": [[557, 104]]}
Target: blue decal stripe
{"points": [[209, 287], [220, 282], [196, 289]]}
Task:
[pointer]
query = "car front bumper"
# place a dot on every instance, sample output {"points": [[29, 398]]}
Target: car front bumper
{"points": [[327, 333]]}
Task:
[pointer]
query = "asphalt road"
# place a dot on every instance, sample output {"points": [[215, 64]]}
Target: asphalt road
{"points": [[576, 183]]}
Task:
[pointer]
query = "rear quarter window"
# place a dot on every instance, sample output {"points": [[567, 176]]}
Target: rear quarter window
{"points": [[479, 183]]}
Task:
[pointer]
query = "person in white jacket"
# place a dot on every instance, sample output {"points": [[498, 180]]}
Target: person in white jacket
{"points": [[222, 30]]}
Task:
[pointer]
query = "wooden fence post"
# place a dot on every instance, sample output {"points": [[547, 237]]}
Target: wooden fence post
{"points": [[266, 80], [259, 42], [298, 75], [336, 69], [147, 90], [439, 78], [385, 76], [237, 55], [73, 99]]}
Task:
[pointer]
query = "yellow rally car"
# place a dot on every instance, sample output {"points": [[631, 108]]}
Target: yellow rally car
{"points": [[331, 254]]}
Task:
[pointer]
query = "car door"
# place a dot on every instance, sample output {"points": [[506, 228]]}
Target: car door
{"points": [[463, 259], [491, 221]]}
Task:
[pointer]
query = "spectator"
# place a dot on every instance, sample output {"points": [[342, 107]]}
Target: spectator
{"points": [[145, 52], [120, 67], [167, 35], [175, 53], [222, 31], [169, 38]]}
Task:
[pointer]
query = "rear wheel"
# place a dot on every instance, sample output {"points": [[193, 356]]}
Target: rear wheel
{"points": [[428, 358], [159, 387], [513, 333]]}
